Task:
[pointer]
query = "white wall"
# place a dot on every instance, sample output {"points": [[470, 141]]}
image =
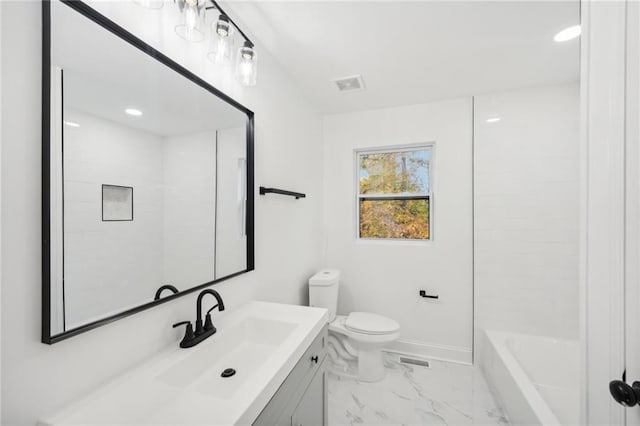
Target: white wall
{"points": [[110, 266], [385, 277], [526, 211], [38, 379], [189, 232]]}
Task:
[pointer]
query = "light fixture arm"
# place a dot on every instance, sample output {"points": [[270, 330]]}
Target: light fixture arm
{"points": [[221, 10]]}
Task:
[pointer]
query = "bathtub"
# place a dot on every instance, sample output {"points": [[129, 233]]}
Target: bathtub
{"points": [[535, 378]]}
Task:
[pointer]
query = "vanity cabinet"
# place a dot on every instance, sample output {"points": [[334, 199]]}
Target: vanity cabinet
{"points": [[301, 400]]}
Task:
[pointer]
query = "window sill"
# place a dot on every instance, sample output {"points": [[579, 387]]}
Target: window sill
{"points": [[392, 242]]}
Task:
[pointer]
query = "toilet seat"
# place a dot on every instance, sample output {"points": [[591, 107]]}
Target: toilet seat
{"points": [[339, 326], [368, 323]]}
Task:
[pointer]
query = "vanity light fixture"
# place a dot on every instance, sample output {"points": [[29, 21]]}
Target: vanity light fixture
{"points": [[493, 120], [223, 34], [192, 14], [568, 34], [133, 111], [71, 124], [247, 64], [221, 48]]}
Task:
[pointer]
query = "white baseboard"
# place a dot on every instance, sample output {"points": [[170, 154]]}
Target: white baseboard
{"points": [[433, 351]]}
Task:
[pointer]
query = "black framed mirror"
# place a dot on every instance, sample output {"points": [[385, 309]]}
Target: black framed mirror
{"points": [[120, 119]]}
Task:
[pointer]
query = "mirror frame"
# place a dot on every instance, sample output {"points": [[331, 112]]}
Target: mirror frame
{"points": [[128, 37]]}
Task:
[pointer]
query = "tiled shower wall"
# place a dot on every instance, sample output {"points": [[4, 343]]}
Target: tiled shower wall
{"points": [[526, 211]]}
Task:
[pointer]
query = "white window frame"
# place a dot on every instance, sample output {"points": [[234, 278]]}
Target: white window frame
{"points": [[431, 146]]}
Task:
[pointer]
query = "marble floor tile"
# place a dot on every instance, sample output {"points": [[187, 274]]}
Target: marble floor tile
{"points": [[443, 394]]}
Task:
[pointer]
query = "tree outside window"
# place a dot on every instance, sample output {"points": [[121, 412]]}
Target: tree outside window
{"points": [[394, 198]]}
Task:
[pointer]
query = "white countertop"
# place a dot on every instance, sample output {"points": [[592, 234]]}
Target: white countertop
{"points": [[183, 386]]}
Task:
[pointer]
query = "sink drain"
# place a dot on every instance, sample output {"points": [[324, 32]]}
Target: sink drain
{"points": [[228, 372]]}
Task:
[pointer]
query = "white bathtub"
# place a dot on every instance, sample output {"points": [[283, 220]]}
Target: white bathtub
{"points": [[536, 378]]}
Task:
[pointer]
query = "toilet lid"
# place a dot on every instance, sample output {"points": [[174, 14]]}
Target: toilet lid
{"points": [[364, 322]]}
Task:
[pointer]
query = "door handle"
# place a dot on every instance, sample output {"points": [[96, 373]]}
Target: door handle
{"points": [[624, 394]]}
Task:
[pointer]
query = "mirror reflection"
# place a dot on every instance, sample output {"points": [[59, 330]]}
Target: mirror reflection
{"points": [[148, 177]]}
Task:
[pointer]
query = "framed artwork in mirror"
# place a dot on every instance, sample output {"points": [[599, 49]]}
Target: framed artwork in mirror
{"points": [[117, 203]]}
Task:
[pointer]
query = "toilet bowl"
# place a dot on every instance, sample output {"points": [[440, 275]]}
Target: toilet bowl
{"points": [[360, 335], [367, 333]]}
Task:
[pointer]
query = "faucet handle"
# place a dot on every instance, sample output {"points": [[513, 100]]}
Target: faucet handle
{"points": [[208, 324], [188, 334]]}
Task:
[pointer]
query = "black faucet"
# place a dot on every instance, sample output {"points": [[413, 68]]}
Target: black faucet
{"points": [[192, 338], [208, 325], [165, 287]]}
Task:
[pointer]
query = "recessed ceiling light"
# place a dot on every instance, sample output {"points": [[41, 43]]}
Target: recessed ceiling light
{"points": [[568, 34], [493, 119], [71, 124], [133, 111]]}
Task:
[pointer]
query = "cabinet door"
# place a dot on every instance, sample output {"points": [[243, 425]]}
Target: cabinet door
{"points": [[312, 408], [279, 410]]}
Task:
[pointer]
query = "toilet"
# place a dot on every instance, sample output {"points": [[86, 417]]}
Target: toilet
{"points": [[359, 335]]}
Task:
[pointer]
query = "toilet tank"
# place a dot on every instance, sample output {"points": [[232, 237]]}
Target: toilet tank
{"points": [[323, 290]]}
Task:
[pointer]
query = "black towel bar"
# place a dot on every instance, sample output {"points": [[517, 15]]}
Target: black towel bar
{"points": [[264, 190]]}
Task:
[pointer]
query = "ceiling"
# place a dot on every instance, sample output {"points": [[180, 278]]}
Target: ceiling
{"points": [[103, 75], [413, 52]]}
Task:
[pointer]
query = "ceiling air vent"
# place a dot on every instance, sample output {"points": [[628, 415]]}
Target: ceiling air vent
{"points": [[350, 84]]}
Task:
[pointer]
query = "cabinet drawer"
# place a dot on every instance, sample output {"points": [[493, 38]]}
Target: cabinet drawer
{"points": [[296, 382]]}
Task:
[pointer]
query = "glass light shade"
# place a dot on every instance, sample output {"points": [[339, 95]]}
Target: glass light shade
{"points": [[221, 47], [150, 4], [247, 65], [191, 20]]}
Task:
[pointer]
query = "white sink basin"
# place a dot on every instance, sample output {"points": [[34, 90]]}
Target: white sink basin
{"points": [[245, 347], [261, 341]]}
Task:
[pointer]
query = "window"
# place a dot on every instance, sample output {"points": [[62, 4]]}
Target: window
{"points": [[394, 193]]}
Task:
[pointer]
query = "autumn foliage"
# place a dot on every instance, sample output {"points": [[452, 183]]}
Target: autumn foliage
{"points": [[394, 174]]}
